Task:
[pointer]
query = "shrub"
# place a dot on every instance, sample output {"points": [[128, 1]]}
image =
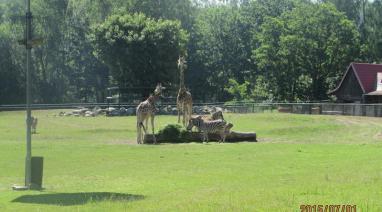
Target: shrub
{"points": [[172, 133]]}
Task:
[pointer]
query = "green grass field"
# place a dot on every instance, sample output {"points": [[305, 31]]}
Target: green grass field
{"points": [[93, 164]]}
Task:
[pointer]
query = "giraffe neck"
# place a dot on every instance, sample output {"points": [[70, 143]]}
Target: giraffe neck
{"points": [[181, 79], [181, 66], [153, 98]]}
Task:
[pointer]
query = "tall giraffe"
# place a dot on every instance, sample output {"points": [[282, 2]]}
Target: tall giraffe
{"points": [[146, 110], [184, 98]]}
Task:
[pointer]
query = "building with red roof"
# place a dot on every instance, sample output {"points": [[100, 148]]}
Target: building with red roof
{"points": [[361, 83]]}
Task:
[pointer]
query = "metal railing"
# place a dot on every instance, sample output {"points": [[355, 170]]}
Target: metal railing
{"points": [[372, 110]]}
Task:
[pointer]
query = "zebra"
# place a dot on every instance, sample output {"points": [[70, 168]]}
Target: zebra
{"points": [[214, 116], [219, 126]]}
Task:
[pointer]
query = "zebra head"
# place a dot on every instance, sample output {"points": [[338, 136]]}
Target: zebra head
{"points": [[194, 121], [217, 115]]}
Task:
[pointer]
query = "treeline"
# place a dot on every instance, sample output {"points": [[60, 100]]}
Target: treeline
{"points": [[262, 50]]}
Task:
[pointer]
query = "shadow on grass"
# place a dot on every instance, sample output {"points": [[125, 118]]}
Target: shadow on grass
{"points": [[68, 199]]}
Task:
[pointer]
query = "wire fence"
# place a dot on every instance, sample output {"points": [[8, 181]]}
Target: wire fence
{"points": [[371, 110]]}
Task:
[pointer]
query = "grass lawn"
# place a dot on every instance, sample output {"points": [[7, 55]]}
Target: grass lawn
{"points": [[93, 164]]}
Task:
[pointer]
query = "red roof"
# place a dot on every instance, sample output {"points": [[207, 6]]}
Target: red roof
{"points": [[366, 74]]}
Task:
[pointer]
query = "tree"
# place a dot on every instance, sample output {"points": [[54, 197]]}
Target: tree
{"points": [[305, 51], [11, 81], [352, 8], [138, 50], [181, 10], [220, 50], [372, 49]]}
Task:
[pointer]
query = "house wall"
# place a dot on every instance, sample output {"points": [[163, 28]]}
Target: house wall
{"points": [[350, 90]]}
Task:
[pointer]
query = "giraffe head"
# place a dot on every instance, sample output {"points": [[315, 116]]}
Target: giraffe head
{"points": [[158, 90]]}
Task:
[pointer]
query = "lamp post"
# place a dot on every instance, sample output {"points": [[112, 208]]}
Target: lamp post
{"points": [[29, 43], [28, 38]]}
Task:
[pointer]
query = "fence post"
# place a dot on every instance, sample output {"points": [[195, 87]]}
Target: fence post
{"points": [[375, 110], [363, 109], [353, 106]]}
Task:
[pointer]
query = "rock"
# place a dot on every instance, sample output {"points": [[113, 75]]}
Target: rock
{"points": [[130, 111], [122, 111], [226, 111], [68, 114], [89, 114], [114, 113], [174, 111], [110, 109]]}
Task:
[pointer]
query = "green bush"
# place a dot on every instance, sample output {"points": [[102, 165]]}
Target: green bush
{"points": [[172, 133]]}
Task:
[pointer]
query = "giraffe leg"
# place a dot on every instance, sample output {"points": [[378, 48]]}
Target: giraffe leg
{"points": [[146, 121], [138, 132], [178, 114], [189, 112], [152, 126], [185, 121]]}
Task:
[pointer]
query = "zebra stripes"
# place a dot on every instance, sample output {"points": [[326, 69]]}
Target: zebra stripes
{"points": [[215, 126]]}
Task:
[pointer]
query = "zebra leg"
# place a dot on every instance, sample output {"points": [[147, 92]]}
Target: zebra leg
{"points": [[222, 137], [206, 136], [203, 137]]}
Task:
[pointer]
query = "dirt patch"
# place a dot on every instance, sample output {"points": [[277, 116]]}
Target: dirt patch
{"points": [[348, 121], [378, 136], [122, 142], [264, 140]]}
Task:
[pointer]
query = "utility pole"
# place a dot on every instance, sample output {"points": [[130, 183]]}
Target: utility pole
{"points": [[29, 43], [28, 39]]}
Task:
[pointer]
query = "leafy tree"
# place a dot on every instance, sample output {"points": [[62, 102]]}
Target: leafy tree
{"points": [[238, 91], [372, 49], [140, 51], [220, 51], [352, 8], [11, 81], [181, 10], [313, 43]]}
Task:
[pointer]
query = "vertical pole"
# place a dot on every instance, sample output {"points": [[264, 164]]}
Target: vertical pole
{"points": [[28, 37]]}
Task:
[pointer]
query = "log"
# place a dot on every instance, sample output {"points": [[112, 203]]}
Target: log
{"points": [[198, 137]]}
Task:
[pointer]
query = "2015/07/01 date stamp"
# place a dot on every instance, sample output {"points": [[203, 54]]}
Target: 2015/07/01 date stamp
{"points": [[328, 208]]}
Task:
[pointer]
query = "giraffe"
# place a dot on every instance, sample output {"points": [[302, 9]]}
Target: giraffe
{"points": [[184, 98], [146, 110]]}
